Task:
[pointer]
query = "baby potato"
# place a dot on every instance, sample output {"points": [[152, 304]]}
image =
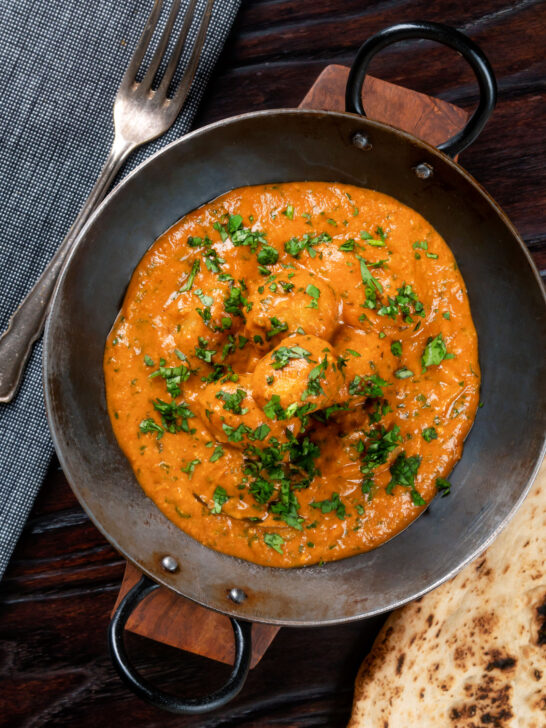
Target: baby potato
{"points": [[231, 415], [301, 370], [293, 302]]}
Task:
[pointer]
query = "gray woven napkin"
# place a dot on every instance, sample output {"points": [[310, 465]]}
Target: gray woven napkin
{"points": [[60, 65]]}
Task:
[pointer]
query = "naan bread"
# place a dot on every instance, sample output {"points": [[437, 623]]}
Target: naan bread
{"points": [[472, 653]]}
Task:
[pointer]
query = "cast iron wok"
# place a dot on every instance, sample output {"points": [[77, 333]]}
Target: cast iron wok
{"points": [[501, 454]]}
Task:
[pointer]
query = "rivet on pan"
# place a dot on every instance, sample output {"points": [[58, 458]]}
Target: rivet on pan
{"points": [[169, 564], [362, 142], [236, 595], [423, 170]]}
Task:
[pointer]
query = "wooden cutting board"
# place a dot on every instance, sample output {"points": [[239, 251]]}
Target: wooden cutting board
{"points": [[164, 616]]}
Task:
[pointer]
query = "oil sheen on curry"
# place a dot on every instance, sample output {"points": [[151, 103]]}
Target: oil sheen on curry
{"points": [[294, 371]]}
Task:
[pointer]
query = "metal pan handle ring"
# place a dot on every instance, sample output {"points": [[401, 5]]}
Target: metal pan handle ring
{"points": [[151, 694], [447, 36]]}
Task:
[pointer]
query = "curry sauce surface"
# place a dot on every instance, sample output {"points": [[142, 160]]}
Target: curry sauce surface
{"points": [[294, 371]]}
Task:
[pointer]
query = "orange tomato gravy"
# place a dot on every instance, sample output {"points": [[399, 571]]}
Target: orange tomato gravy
{"points": [[294, 371]]}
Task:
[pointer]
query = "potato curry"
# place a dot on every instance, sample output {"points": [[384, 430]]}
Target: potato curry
{"points": [[294, 371]]}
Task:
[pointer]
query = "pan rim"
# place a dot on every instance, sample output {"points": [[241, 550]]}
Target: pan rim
{"points": [[50, 410]]}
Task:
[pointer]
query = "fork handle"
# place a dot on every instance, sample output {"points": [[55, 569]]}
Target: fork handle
{"points": [[27, 323]]}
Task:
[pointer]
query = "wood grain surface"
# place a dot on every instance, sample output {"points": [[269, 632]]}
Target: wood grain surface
{"points": [[59, 590]]}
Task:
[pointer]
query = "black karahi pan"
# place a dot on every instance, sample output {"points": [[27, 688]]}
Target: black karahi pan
{"points": [[501, 454]]}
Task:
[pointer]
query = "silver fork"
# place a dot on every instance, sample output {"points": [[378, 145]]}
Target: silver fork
{"points": [[141, 114]]}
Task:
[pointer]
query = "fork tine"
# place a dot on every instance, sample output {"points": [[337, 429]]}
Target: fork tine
{"points": [[187, 78], [162, 47], [134, 64]]}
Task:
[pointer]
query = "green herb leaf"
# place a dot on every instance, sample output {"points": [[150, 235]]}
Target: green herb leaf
{"points": [[150, 425], [268, 255], [435, 352], [314, 292], [205, 300], [283, 354], [403, 472], [429, 434], [274, 541], [396, 348], [333, 504], [367, 386], [232, 402], [262, 431], [234, 223], [367, 277], [217, 454], [190, 467], [443, 486], [219, 497], [308, 242], [277, 327], [189, 281]]}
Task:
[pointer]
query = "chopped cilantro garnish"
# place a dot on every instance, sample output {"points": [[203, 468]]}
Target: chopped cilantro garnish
{"points": [[283, 354], [317, 373], [232, 402], [235, 434], [148, 361], [274, 541], [217, 454], [173, 377], [189, 281], [287, 506], [201, 351], [150, 425], [174, 417], [403, 373], [374, 242], [402, 303], [221, 229], [429, 434], [308, 242], [435, 352], [234, 223], [382, 442], [205, 300], [219, 497], [314, 292], [289, 212], [403, 472], [277, 327], [262, 431], [368, 386], [348, 246], [367, 277], [267, 255], [443, 486], [190, 467], [333, 504], [235, 301], [396, 348]]}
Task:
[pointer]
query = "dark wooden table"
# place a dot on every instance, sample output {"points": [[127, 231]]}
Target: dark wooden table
{"points": [[62, 582]]}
